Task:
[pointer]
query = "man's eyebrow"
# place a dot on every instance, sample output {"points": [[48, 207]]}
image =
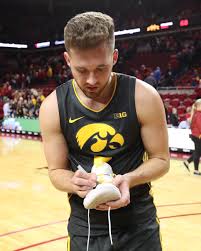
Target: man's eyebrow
{"points": [[79, 67], [102, 65], [83, 68]]}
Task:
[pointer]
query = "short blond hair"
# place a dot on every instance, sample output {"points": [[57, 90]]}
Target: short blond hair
{"points": [[198, 103], [89, 30]]}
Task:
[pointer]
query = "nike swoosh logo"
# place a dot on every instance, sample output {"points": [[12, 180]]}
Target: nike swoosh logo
{"points": [[71, 121]]}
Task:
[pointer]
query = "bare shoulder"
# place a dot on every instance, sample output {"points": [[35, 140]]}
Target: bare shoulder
{"points": [[49, 113], [148, 102], [49, 102]]}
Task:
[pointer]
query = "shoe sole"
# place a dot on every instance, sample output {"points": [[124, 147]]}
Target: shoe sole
{"points": [[197, 174]]}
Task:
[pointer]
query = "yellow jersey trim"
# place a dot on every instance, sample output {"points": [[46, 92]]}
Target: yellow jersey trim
{"points": [[145, 157], [68, 243]]}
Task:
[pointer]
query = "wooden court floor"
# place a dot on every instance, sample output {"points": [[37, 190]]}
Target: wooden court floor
{"points": [[33, 214]]}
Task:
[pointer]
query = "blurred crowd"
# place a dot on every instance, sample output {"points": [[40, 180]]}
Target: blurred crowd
{"points": [[47, 23], [181, 50], [22, 103], [161, 61]]}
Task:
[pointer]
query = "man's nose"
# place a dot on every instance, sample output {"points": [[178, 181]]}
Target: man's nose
{"points": [[91, 79]]}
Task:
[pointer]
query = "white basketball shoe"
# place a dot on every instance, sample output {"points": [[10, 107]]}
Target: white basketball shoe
{"points": [[105, 191]]}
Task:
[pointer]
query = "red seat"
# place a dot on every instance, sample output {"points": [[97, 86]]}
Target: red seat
{"points": [[175, 102], [182, 96], [193, 96], [173, 96], [181, 109], [188, 102], [182, 117], [166, 100], [169, 109]]}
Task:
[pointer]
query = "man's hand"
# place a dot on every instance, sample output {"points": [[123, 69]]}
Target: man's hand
{"points": [[83, 182], [120, 182]]}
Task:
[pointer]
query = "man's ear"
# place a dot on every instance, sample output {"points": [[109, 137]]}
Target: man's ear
{"points": [[115, 56], [67, 58]]}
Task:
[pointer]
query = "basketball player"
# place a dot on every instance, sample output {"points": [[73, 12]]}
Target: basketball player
{"points": [[103, 116]]}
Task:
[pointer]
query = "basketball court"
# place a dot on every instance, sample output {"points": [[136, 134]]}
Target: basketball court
{"points": [[33, 214]]}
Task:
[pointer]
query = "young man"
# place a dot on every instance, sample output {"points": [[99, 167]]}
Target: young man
{"points": [[105, 117]]}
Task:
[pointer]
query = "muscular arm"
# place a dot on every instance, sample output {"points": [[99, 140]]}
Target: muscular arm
{"points": [[151, 115], [56, 152]]}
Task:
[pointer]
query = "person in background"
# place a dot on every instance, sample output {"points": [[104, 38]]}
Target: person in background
{"points": [[173, 117], [157, 75], [150, 79], [185, 124], [6, 107], [195, 136]]}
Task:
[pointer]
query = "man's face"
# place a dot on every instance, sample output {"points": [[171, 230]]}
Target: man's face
{"points": [[91, 68]]}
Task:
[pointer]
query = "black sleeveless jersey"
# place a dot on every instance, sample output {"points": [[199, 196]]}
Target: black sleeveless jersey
{"points": [[110, 135]]}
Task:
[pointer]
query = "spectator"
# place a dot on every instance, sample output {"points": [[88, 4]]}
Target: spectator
{"points": [[150, 79], [173, 117], [157, 74], [184, 124], [196, 137], [6, 108]]}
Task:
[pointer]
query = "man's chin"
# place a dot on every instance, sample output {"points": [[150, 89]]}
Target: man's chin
{"points": [[92, 94]]}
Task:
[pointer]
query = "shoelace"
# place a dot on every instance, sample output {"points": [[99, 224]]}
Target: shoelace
{"points": [[109, 225], [89, 230]]}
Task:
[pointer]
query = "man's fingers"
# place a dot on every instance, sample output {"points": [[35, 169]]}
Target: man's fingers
{"points": [[125, 193], [93, 177], [82, 194], [84, 182], [80, 181], [117, 180], [85, 175], [83, 191], [81, 178], [123, 202], [114, 204], [84, 188], [102, 207], [82, 174]]}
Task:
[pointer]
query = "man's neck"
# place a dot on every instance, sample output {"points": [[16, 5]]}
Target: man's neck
{"points": [[99, 102]]}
